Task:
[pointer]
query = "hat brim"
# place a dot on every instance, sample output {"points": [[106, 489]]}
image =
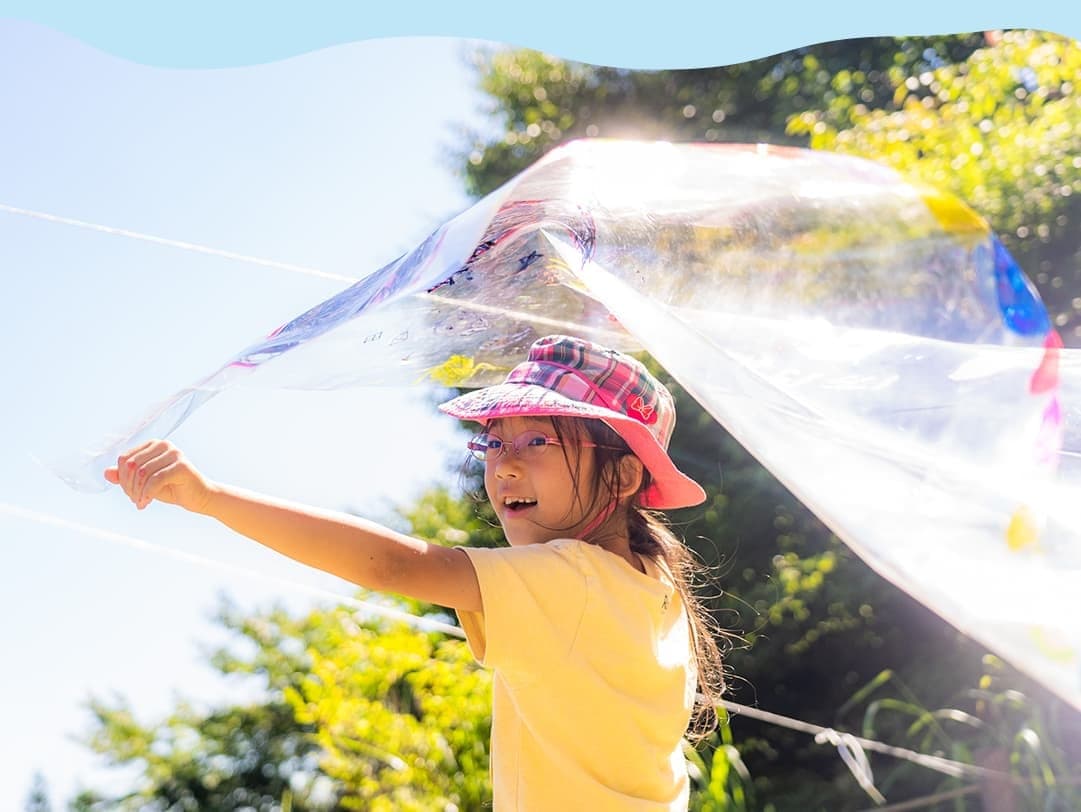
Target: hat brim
{"points": [[670, 487]]}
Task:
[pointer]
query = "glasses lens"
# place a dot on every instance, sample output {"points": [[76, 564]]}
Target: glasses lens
{"points": [[484, 445], [530, 444]]}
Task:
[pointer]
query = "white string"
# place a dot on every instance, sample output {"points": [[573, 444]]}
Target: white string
{"points": [[854, 758], [186, 246], [559, 324], [426, 624], [957, 769]]}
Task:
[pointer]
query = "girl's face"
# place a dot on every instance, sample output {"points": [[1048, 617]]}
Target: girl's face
{"points": [[541, 498]]}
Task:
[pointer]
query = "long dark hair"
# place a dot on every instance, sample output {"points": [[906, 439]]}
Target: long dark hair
{"points": [[650, 536]]}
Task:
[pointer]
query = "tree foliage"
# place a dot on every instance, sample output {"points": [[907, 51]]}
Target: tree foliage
{"points": [[350, 714], [37, 799], [252, 755], [1002, 131], [403, 718], [542, 101]]}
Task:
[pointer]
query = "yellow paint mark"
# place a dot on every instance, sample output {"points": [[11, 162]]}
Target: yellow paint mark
{"points": [[1022, 531], [458, 370], [953, 215]]}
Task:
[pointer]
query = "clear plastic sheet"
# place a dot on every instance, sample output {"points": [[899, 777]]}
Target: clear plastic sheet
{"points": [[871, 342]]}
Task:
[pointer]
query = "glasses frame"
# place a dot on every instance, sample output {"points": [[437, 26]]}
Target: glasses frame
{"points": [[484, 453]]}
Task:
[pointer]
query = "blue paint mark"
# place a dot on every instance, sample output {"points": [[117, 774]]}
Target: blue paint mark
{"points": [[1021, 307], [526, 261]]}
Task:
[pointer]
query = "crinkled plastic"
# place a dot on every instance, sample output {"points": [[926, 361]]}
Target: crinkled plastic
{"points": [[870, 341]]}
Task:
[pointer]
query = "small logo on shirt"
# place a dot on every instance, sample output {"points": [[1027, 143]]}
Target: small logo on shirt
{"points": [[664, 603]]}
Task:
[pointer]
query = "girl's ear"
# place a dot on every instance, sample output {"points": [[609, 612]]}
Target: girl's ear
{"points": [[629, 475]]}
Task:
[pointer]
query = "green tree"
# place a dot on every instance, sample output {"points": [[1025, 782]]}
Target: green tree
{"points": [[541, 101], [37, 800], [403, 718], [1002, 131], [252, 755], [352, 714]]}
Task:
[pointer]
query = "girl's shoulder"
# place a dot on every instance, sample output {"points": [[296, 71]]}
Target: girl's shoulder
{"points": [[567, 555], [596, 559], [556, 555], [581, 557]]}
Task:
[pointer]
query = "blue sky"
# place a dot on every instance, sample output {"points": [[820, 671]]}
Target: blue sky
{"points": [[336, 160]]}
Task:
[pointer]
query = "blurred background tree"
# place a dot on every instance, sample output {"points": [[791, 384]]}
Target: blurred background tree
{"points": [[542, 101], [346, 713], [37, 800], [254, 755], [1002, 131], [371, 716]]}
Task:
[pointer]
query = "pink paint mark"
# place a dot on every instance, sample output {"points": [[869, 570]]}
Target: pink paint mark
{"points": [[1045, 378], [1049, 439]]}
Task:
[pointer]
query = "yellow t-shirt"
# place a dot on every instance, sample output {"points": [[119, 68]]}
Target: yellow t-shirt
{"points": [[593, 684]]}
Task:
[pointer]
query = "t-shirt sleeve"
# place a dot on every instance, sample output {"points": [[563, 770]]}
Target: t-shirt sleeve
{"points": [[533, 599]]}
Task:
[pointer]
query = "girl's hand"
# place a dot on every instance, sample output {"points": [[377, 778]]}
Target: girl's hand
{"points": [[158, 470]]}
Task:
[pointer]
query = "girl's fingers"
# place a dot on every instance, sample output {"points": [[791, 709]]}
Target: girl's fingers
{"points": [[131, 467], [128, 462], [151, 470], [157, 457], [129, 471], [158, 480]]}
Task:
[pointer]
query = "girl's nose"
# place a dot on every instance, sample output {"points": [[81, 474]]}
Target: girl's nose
{"points": [[507, 465]]}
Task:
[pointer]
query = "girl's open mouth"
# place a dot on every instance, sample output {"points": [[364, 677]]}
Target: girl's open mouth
{"points": [[518, 504]]}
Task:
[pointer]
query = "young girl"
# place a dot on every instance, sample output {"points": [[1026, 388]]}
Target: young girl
{"points": [[597, 645]]}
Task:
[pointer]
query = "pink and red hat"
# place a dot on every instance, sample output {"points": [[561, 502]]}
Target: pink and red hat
{"points": [[569, 377]]}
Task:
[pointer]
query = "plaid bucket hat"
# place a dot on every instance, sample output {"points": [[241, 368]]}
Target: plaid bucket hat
{"points": [[570, 377]]}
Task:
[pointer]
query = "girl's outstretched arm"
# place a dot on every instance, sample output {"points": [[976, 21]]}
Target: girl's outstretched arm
{"points": [[363, 552]]}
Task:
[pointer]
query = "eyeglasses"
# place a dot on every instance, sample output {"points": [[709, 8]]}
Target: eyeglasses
{"points": [[527, 446]]}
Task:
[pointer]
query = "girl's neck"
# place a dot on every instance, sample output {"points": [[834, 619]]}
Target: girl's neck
{"points": [[609, 531], [616, 541]]}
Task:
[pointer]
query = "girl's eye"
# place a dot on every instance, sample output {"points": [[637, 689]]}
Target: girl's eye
{"points": [[537, 441], [493, 444]]}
